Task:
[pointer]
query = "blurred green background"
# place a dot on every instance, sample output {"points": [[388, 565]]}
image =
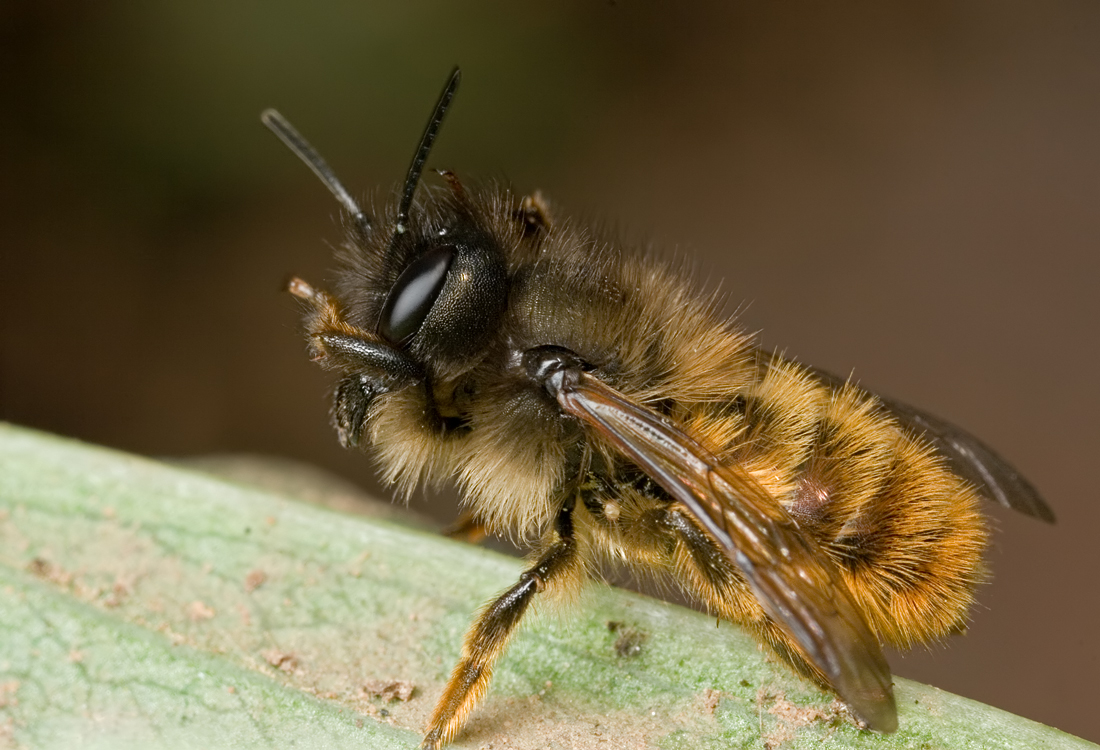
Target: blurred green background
{"points": [[909, 192]]}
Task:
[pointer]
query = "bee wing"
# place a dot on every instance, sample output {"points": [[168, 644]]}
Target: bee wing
{"points": [[974, 461], [792, 578], [966, 455]]}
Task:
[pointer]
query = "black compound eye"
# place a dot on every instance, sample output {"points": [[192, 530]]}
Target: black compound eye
{"points": [[414, 293]]}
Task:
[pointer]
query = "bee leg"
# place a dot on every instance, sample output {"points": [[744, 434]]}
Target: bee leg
{"points": [[349, 408], [467, 528], [716, 582], [388, 367], [534, 212], [489, 635], [337, 344]]}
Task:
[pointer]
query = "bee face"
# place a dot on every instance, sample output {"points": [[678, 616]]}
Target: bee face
{"points": [[588, 399]]}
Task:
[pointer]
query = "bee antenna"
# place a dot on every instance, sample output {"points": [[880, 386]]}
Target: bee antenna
{"points": [[412, 179], [300, 146]]}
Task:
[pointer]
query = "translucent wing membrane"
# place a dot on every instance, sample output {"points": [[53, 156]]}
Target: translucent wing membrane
{"points": [[793, 579], [995, 478], [974, 461]]}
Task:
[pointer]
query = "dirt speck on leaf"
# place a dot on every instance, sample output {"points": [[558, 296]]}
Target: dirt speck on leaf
{"points": [[7, 734], [46, 570], [630, 640], [280, 659], [120, 590], [389, 690], [254, 580], [7, 693], [791, 717], [198, 611]]}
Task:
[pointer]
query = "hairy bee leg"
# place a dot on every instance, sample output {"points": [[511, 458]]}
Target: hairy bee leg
{"points": [[535, 214], [711, 577], [349, 408], [489, 635], [466, 528], [336, 343]]}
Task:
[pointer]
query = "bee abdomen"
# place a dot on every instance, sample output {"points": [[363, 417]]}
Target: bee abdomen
{"points": [[906, 532]]}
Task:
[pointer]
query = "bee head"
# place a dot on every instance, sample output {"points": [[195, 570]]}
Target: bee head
{"points": [[441, 285], [429, 282]]}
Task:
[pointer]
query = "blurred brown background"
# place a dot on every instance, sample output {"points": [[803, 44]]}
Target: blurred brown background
{"points": [[912, 193]]}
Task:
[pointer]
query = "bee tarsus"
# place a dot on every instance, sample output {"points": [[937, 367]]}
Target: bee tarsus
{"points": [[487, 637]]}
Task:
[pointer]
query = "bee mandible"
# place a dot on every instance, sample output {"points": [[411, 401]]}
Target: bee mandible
{"points": [[589, 400]]}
